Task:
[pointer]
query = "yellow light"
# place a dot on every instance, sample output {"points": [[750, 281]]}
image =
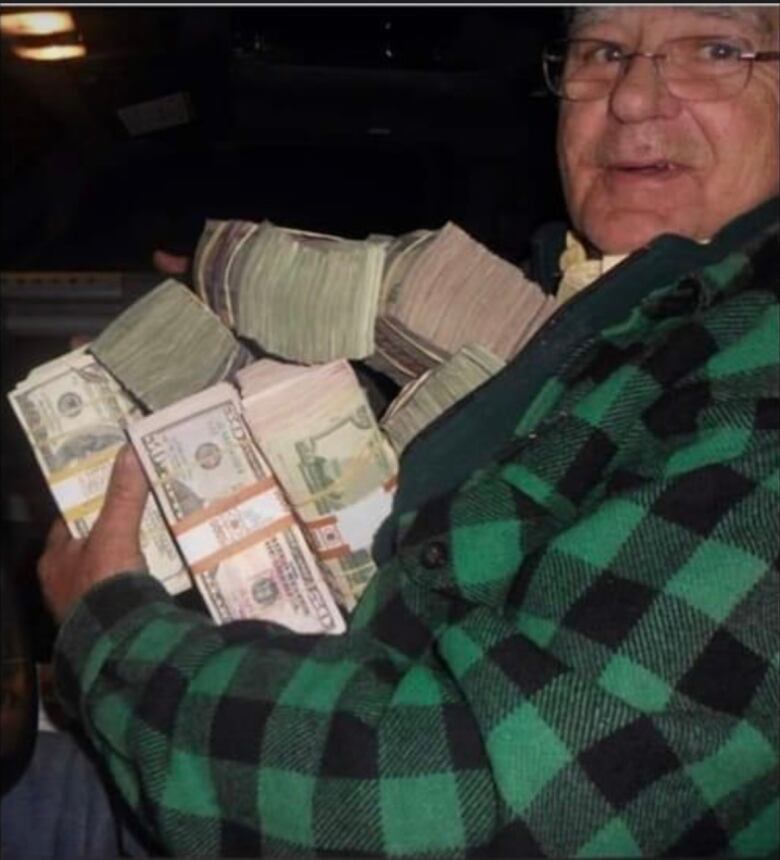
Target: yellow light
{"points": [[50, 52], [36, 23]]}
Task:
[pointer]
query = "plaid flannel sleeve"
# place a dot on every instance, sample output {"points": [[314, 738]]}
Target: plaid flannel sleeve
{"points": [[243, 739]]}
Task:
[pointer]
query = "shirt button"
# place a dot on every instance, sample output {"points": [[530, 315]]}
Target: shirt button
{"points": [[434, 555]]}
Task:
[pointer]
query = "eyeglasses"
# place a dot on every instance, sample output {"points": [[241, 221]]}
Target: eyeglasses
{"points": [[693, 68]]}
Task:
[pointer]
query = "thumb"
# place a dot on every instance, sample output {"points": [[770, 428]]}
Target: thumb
{"points": [[120, 518]]}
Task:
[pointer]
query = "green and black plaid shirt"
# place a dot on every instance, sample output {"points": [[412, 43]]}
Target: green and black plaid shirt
{"points": [[571, 650]]}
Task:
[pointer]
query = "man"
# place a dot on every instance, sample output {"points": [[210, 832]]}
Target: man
{"points": [[571, 647]]}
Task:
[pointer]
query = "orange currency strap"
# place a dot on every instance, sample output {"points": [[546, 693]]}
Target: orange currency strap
{"points": [[232, 524]]}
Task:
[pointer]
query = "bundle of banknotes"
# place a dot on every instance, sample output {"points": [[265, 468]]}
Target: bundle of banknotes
{"points": [[232, 523], [445, 290], [336, 467], [168, 344], [403, 304], [432, 394], [270, 472], [302, 296], [75, 415]]}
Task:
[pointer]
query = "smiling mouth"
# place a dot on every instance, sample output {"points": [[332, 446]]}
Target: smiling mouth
{"points": [[648, 168]]}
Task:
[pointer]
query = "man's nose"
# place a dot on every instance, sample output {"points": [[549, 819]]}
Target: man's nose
{"points": [[641, 94]]}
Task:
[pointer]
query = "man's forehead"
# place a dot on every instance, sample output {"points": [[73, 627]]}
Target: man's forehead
{"points": [[762, 19]]}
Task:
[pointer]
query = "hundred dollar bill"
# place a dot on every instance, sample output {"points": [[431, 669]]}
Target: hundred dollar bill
{"points": [[74, 415], [231, 521], [339, 472]]}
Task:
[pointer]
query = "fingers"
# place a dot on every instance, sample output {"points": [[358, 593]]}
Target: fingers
{"points": [[170, 264], [126, 492], [59, 543], [78, 340], [58, 533], [127, 477], [115, 535], [70, 567], [55, 566]]}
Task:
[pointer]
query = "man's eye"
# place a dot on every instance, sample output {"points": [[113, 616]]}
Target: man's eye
{"points": [[602, 53], [713, 52]]}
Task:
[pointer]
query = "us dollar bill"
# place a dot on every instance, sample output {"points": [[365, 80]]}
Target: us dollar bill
{"points": [[74, 415], [230, 519]]}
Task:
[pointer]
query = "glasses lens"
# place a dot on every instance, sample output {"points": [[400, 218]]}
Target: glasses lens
{"points": [[696, 68], [582, 69], [704, 68], [553, 58]]}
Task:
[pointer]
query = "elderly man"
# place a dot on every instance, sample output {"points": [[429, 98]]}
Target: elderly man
{"points": [[571, 647]]}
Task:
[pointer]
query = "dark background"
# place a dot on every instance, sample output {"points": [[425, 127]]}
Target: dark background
{"points": [[345, 120]]}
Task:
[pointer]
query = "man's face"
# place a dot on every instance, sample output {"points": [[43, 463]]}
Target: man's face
{"points": [[640, 162]]}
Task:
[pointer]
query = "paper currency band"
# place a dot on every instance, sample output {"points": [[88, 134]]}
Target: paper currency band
{"points": [[213, 560], [83, 510], [232, 525], [362, 456], [327, 539], [79, 489], [91, 462], [219, 506], [352, 528]]}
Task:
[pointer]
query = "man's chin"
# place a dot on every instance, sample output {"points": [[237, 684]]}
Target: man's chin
{"points": [[624, 231]]}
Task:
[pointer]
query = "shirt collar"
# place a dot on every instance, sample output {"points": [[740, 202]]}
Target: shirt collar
{"points": [[578, 270]]}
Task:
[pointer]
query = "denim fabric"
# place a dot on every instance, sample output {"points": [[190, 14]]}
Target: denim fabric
{"points": [[61, 809]]}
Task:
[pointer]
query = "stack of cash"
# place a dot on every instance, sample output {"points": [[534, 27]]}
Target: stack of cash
{"points": [[421, 402], [306, 297], [74, 415], [444, 289], [338, 470], [405, 304], [167, 345], [232, 523], [272, 497]]}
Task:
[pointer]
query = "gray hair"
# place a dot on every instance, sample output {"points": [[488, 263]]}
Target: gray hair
{"points": [[763, 19]]}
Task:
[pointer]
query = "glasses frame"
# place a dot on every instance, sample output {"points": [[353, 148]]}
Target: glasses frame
{"points": [[750, 57]]}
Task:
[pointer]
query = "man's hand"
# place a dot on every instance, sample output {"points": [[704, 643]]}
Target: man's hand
{"points": [[170, 264], [69, 567]]}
